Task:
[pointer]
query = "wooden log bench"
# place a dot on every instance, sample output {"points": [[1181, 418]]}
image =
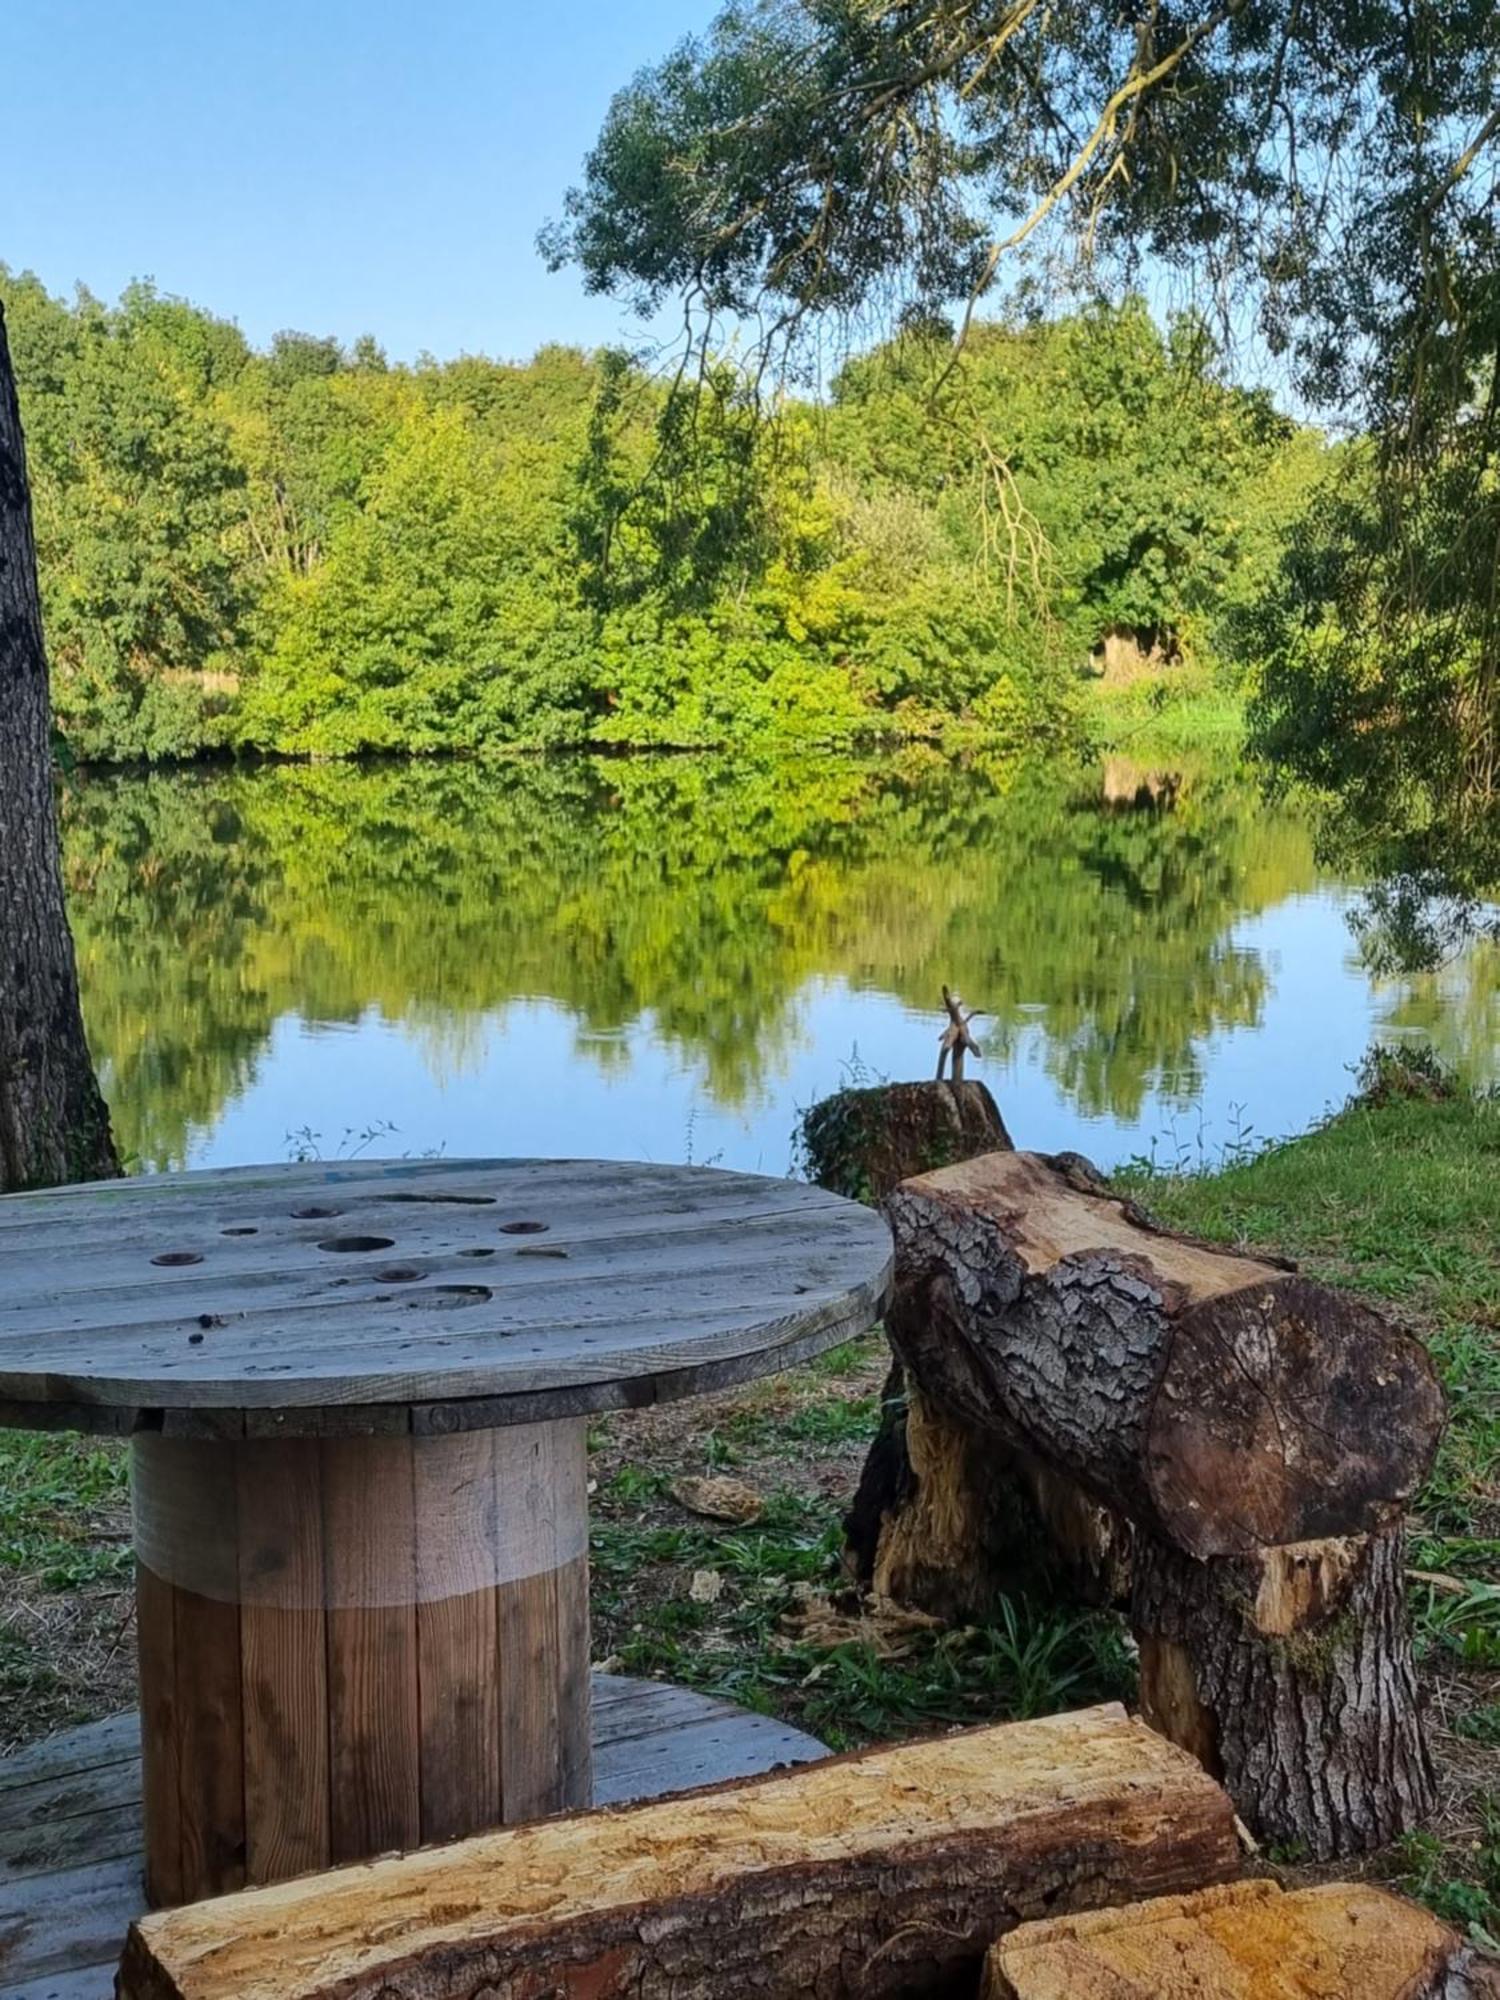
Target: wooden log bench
{"points": [[1099, 1409], [1244, 1941], [887, 1872]]}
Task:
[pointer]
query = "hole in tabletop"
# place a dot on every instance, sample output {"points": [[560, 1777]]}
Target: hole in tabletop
{"points": [[314, 1214], [357, 1243], [449, 1298], [399, 1274], [249, 1229], [456, 1200], [485, 1252], [178, 1257], [524, 1228], [540, 1250]]}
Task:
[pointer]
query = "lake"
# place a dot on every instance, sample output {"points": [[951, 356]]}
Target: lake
{"points": [[668, 958]]}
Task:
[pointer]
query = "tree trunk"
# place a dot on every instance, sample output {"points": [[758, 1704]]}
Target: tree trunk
{"points": [[1210, 1437], [926, 1524], [1289, 1675], [54, 1126]]}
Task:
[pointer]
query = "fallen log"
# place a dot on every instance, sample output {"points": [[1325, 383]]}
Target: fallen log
{"points": [[1225, 1442], [1244, 1941], [888, 1872]]}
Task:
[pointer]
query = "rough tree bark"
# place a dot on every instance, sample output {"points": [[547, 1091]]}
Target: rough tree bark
{"points": [[930, 1518], [1289, 1676], [54, 1126], [1212, 1436]]}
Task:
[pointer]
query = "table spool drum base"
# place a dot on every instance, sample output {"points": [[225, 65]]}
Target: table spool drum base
{"points": [[355, 1644]]}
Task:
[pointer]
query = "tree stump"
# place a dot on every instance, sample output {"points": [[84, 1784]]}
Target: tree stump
{"points": [[925, 1520], [1210, 1438]]}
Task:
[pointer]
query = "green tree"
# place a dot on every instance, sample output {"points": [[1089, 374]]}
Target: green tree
{"points": [[1327, 171], [137, 491]]}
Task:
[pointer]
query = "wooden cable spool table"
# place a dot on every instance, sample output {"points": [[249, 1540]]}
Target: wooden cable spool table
{"points": [[356, 1397]]}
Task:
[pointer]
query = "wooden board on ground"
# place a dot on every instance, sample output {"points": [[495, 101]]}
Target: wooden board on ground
{"points": [[881, 1873], [1244, 1941], [70, 1819]]}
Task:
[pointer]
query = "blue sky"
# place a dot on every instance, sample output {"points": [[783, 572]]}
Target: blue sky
{"points": [[337, 167]]}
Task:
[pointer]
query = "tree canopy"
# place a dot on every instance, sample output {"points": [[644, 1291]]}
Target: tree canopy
{"points": [[312, 552], [1325, 176]]}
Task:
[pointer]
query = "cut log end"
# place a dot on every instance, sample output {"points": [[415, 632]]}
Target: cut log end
{"points": [[1214, 1399], [1243, 1941]]}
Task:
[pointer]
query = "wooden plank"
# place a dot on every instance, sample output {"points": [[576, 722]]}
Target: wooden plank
{"points": [[570, 1483], [115, 1738], [663, 1273], [91, 1982], [284, 1659], [136, 1293], [51, 1924], [649, 1359], [457, 1643], [211, 1774], [265, 1196], [156, 1638], [903, 1863], [704, 1750], [74, 1795], [369, 1531], [530, 1717], [106, 1834]]}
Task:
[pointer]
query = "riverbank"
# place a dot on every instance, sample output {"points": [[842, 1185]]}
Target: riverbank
{"points": [[1398, 1197]]}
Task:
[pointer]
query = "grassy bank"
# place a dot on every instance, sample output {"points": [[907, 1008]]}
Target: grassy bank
{"points": [[1184, 713], [1399, 1198]]}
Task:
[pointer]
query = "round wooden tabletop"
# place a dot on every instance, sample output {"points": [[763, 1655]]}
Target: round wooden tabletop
{"points": [[423, 1296]]}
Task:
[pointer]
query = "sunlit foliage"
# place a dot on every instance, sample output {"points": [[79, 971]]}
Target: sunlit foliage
{"points": [[312, 552]]}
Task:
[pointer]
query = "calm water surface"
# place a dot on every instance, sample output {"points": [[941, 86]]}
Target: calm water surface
{"points": [[666, 959]]}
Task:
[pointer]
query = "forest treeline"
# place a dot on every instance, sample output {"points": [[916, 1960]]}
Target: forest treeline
{"points": [[310, 551]]}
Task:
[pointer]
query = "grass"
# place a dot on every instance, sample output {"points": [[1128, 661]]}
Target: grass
{"points": [[1399, 1198], [1169, 715], [62, 1505], [776, 1628]]}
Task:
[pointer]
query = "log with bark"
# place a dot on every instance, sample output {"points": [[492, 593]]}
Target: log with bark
{"points": [[1244, 1941], [1211, 1437], [888, 1872]]}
